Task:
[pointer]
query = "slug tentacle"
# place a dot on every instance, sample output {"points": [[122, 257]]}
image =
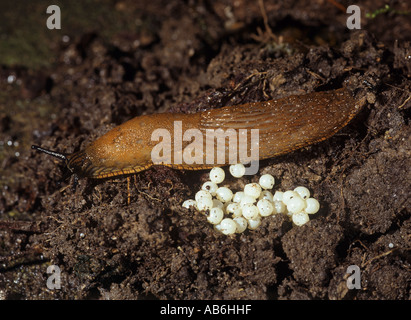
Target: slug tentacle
{"points": [[55, 154], [75, 162]]}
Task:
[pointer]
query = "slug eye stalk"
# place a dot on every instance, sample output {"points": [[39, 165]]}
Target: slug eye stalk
{"points": [[55, 154], [61, 156]]}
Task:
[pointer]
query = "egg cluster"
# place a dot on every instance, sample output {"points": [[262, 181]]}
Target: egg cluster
{"points": [[235, 212]]}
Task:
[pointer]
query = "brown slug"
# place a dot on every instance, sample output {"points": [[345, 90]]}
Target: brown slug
{"points": [[284, 125]]}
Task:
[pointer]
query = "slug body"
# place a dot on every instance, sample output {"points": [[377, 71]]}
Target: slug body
{"points": [[284, 125]]}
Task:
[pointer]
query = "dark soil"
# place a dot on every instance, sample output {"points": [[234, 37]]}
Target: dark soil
{"points": [[189, 56]]}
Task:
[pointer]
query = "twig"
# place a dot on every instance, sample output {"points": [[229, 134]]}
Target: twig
{"points": [[338, 5]]}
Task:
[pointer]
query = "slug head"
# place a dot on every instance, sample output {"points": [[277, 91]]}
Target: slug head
{"points": [[75, 162]]}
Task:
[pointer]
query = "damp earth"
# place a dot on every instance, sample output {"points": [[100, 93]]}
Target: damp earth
{"points": [[62, 89]]}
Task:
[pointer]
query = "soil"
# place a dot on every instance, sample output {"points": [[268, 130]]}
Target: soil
{"points": [[188, 56]]}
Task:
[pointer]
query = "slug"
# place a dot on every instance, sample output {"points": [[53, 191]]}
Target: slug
{"points": [[284, 125]]}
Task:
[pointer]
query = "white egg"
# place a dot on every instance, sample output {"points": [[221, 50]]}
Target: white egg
{"points": [[303, 192], [265, 194], [215, 216], [312, 206], [224, 194], [235, 209], [241, 224], [204, 204], [266, 181], [237, 170], [300, 218], [288, 195], [250, 211], [278, 196], [252, 190], [228, 226], [202, 194], [265, 207], [238, 196], [218, 204], [217, 175], [210, 187], [247, 199], [254, 223], [279, 207], [295, 205]]}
